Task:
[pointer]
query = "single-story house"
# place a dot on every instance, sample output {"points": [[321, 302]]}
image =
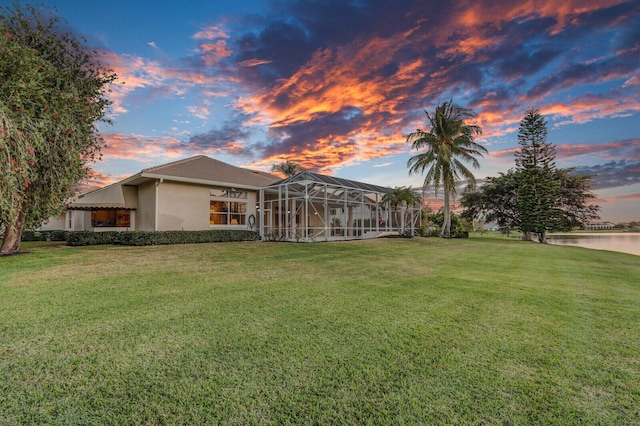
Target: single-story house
{"points": [[200, 193], [600, 226]]}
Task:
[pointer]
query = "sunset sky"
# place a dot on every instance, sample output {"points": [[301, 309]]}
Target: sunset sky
{"points": [[337, 85]]}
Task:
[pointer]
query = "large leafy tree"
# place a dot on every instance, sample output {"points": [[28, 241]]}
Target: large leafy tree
{"points": [[575, 200], [402, 199], [495, 202], [51, 97], [446, 147]]}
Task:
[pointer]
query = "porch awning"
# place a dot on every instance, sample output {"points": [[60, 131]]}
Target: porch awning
{"points": [[115, 196]]}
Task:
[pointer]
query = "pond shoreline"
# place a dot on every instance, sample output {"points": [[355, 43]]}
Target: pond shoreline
{"points": [[623, 242]]}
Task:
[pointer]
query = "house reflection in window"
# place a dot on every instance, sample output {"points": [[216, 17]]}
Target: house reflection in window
{"points": [[111, 218], [227, 213]]}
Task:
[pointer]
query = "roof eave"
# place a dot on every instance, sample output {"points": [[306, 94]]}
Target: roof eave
{"points": [[199, 181]]}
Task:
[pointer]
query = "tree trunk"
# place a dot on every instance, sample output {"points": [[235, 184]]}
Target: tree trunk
{"points": [[542, 237], [445, 232], [13, 234], [526, 235]]}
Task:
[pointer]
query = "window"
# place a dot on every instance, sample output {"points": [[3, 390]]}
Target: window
{"points": [[227, 213], [111, 218], [227, 193]]}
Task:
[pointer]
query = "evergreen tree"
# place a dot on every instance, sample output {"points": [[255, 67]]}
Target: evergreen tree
{"points": [[538, 189], [535, 197]]}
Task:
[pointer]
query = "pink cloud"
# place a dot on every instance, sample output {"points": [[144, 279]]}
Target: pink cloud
{"points": [[211, 33], [138, 147], [136, 73], [199, 111], [253, 62], [591, 107], [212, 53]]}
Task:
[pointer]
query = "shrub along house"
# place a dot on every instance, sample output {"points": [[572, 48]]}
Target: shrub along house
{"points": [[201, 193]]}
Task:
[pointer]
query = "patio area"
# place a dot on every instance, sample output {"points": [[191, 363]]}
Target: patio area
{"points": [[311, 207]]}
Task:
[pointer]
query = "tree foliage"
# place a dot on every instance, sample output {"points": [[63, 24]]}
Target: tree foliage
{"points": [[495, 202], [535, 197], [51, 96], [538, 189], [447, 146], [288, 168], [402, 199]]}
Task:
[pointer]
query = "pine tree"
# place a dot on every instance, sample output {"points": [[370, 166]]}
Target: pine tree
{"points": [[538, 189]]}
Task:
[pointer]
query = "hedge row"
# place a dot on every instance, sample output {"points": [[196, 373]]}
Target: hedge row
{"points": [[140, 238], [144, 238], [30, 235]]}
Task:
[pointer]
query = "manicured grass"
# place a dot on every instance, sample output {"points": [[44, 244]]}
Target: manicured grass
{"points": [[389, 331]]}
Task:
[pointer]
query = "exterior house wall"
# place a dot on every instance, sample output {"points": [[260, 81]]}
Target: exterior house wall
{"points": [[78, 220], [146, 214], [130, 194], [182, 207], [252, 202], [71, 220], [54, 223]]}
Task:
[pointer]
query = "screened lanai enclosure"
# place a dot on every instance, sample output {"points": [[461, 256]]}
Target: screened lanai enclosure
{"points": [[314, 207]]}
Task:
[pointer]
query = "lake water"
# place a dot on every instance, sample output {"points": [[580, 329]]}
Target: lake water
{"points": [[622, 242]]}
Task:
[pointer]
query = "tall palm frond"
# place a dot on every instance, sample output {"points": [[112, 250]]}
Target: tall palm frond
{"points": [[446, 147]]}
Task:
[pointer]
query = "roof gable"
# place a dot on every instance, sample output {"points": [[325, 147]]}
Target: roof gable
{"points": [[203, 168]]}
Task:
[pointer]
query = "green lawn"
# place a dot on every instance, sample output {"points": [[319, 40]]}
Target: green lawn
{"points": [[389, 331]]}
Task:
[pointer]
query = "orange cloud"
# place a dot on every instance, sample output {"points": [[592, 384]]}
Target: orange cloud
{"points": [[335, 79], [97, 180], [472, 14]]}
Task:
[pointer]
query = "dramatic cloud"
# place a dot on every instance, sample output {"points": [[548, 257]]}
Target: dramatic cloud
{"points": [[622, 169], [613, 173], [231, 138], [373, 75], [618, 150], [338, 83]]}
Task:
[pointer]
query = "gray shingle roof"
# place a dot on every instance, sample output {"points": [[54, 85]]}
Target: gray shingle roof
{"points": [[204, 168]]}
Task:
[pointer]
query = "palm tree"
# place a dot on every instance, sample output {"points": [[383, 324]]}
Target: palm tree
{"points": [[447, 145], [401, 198], [288, 168]]}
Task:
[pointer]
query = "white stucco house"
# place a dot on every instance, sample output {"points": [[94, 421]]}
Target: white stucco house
{"points": [[201, 193]]}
